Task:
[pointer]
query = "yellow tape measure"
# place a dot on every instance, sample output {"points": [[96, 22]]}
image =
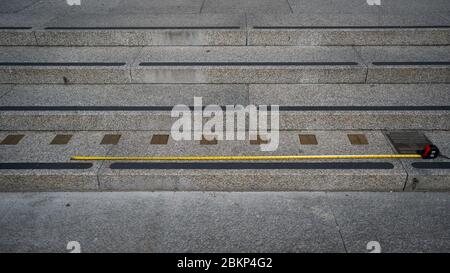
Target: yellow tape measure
{"points": [[240, 158]]}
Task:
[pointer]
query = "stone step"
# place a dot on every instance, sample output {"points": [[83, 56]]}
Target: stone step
{"points": [[360, 29], [148, 106], [36, 163], [237, 64], [305, 29]]}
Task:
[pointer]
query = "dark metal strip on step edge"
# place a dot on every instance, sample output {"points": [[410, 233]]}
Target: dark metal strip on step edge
{"points": [[251, 166], [144, 28], [60, 64], [246, 63], [14, 28], [45, 166], [349, 27], [169, 108], [411, 63], [431, 165]]}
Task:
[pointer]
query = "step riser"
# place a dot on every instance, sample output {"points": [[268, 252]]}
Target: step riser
{"points": [[40, 75], [219, 182], [80, 75], [140, 38], [371, 37], [111, 121], [278, 37]]}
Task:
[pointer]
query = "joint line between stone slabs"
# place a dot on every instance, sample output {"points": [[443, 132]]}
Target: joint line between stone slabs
{"points": [[394, 151], [363, 62], [108, 153], [336, 222]]}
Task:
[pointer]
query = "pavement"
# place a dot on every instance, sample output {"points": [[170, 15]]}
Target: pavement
{"points": [[224, 222]]}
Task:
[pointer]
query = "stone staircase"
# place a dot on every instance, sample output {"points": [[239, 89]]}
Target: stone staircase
{"points": [[93, 84]]}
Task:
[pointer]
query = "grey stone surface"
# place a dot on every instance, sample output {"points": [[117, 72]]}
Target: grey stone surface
{"points": [[350, 94], [161, 120], [400, 222], [224, 222], [15, 6], [56, 7], [416, 6], [23, 36], [347, 36], [17, 37], [5, 89], [430, 179], [136, 37], [253, 180], [158, 6], [365, 120], [248, 74], [34, 147], [331, 6], [123, 95], [66, 74], [249, 6], [410, 73], [170, 222], [85, 120]]}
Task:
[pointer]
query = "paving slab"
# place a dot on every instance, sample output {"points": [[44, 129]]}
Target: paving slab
{"points": [[224, 222], [22, 165], [429, 176], [170, 222], [416, 6], [348, 29], [414, 64], [15, 6], [331, 6], [56, 7], [247, 65], [249, 6], [140, 29], [151, 178], [400, 222], [158, 7], [66, 64]]}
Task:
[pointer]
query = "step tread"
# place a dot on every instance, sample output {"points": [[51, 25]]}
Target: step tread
{"points": [[383, 175]]}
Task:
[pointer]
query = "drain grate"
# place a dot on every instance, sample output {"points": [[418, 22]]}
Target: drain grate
{"points": [[408, 142]]}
